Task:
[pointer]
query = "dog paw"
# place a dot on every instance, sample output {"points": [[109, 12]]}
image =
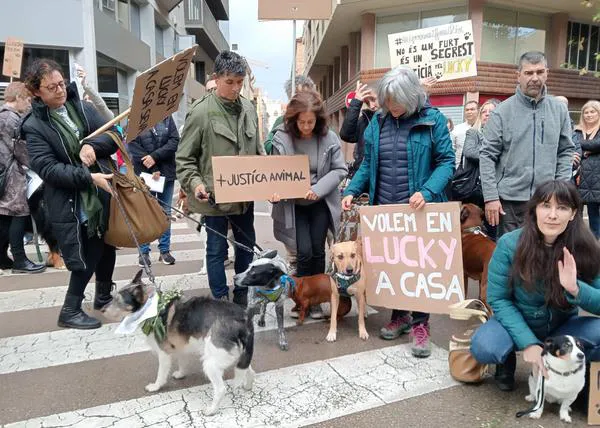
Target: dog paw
{"points": [[530, 398], [331, 336], [178, 374], [153, 387], [284, 346], [363, 334], [565, 417], [535, 415], [261, 323]]}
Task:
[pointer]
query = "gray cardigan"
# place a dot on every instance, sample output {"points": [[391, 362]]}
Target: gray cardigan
{"points": [[331, 171]]}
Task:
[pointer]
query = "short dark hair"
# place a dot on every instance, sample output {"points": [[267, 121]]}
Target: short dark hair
{"points": [[37, 70], [228, 62], [472, 102], [532, 57], [303, 102]]}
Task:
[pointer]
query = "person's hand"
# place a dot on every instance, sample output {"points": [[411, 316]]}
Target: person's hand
{"points": [[533, 355], [101, 181], [417, 201], [576, 159], [148, 161], [347, 202], [87, 155], [81, 74], [493, 210], [567, 273], [427, 82], [363, 92], [311, 196], [156, 175], [200, 192], [274, 198], [586, 154]]}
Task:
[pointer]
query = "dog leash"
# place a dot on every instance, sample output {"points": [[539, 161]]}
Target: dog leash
{"points": [[540, 395]]}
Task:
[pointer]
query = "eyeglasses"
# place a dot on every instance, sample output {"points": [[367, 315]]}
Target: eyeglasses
{"points": [[54, 86]]}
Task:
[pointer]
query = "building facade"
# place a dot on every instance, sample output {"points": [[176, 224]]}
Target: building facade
{"points": [[115, 40], [353, 44]]}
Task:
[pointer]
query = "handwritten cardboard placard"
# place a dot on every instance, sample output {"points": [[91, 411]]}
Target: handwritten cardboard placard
{"points": [[413, 259], [446, 52], [256, 178], [158, 91], [13, 57], [594, 403]]}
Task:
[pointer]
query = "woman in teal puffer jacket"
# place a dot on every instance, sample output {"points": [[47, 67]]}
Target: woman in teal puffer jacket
{"points": [[539, 277]]}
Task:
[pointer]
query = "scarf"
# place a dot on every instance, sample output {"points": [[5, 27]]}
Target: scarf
{"points": [[91, 204]]}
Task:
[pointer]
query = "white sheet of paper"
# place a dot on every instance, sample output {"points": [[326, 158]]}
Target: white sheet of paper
{"points": [[33, 182], [154, 185], [131, 322]]}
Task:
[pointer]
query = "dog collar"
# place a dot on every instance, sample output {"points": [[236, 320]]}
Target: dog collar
{"points": [[345, 281], [272, 295], [476, 230], [569, 373]]}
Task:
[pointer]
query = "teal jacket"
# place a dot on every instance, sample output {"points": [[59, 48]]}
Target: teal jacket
{"points": [[430, 154], [525, 314]]}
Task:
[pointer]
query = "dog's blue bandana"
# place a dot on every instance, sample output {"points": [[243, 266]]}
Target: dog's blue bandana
{"points": [[344, 282], [286, 283]]}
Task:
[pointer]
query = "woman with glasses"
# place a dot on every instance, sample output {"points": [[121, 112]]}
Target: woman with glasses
{"points": [[75, 191]]}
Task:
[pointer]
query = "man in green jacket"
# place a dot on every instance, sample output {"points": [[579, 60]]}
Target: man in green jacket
{"points": [[222, 123]]}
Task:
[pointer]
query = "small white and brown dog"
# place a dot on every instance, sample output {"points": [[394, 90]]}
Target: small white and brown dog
{"points": [[564, 360], [347, 279]]}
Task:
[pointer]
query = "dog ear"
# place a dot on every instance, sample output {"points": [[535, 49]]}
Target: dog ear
{"points": [[137, 279], [464, 214], [331, 261], [548, 345]]}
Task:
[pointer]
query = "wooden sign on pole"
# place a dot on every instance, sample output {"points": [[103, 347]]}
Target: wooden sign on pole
{"points": [[13, 58], [294, 9], [158, 91]]}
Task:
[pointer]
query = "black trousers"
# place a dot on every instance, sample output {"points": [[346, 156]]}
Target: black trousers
{"points": [[12, 231], [99, 259], [312, 223], [513, 217]]}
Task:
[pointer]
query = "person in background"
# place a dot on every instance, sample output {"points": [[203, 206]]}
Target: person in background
{"points": [[14, 209], [407, 124], [540, 278], [77, 194], [450, 125], [586, 135], [153, 152], [460, 131], [358, 116], [92, 96], [577, 154]]}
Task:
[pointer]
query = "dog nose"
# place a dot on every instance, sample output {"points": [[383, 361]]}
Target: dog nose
{"points": [[580, 356], [349, 270]]}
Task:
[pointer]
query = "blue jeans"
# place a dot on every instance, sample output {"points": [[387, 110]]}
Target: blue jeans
{"points": [[164, 242], [593, 209], [492, 344], [216, 249]]}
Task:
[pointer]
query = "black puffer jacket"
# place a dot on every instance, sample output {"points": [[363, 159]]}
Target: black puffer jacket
{"points": [[353, 129], [589, 186], [159, 142], [62, 179]]}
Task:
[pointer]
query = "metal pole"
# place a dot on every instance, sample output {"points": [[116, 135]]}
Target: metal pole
{"points": [[294, 59]]}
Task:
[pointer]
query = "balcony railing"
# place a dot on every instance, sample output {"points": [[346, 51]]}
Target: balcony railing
{"points": [[169, 5], [200, 22]]}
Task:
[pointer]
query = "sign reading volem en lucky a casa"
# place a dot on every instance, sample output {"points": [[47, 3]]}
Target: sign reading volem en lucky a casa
{"points": [[446, 52], [413, 259], [158, 91]]}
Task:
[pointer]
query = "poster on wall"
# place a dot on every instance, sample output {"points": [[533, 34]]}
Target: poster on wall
{"points": [[446, 52]]}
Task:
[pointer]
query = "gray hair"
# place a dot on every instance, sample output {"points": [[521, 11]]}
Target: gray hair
{"points": [[300, 81], [532, 57], [402, 86]]}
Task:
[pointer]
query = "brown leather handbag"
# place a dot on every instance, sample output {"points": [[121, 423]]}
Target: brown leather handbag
{"points": [[463, 366], [132, 198]]}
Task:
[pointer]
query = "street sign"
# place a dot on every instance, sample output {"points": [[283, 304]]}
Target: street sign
{"points": [[349, 97], [13, 57], [294, 9]]}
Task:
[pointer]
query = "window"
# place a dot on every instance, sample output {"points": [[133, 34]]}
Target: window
{"points": [[412, 21], [31, 54], [582, 46], [123, 13], [136, 28], [200, 72], [109, 5], [159, 40], [508, 34]]}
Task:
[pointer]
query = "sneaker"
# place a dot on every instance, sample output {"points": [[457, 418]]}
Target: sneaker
{"points": [[421, 345], [166, 258], [145, 257], [395, 328], [316, 312], [27, 266]]}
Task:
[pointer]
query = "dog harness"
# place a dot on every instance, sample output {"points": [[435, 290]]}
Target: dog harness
{"points": [[344, 282], [285, 284], [158, 324]]}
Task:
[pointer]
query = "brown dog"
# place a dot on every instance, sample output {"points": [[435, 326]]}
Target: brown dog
{"points": [[347, 278], [477, 248], [313, 290]]}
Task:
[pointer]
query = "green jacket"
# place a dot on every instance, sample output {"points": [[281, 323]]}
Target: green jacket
{"points": [[269, 140], [207, 133], [522, 313]]}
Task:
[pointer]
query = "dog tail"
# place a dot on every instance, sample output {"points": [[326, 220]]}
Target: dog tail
{"points": [[246, 339]]}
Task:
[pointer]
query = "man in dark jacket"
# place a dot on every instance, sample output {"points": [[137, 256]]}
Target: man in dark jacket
{"points": [[355, 123], [153, 152]]}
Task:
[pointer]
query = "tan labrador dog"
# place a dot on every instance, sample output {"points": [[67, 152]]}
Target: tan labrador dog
{"points": [[347, 279]]}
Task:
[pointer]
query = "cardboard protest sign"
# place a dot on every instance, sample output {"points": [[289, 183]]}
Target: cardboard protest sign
{"points": [[294, 9], [255, 178], [158, 91], [13, 57], [413, 259], [594, 403], [445, 52]]}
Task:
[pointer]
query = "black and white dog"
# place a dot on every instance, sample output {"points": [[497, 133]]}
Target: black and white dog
{"points": [[564, 360], [267, 282], [218, 333]]}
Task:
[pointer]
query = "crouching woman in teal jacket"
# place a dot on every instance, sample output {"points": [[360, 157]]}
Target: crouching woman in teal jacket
{"points": [[539, 277], [408, 160]]}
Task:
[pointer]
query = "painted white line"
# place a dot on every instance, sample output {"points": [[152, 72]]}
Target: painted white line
{"points": [[40, 350], [180, 256], [288, 397]]}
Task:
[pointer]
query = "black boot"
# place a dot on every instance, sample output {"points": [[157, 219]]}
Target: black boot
{"points": [[71, 315], [505, 373], [103, 296]]}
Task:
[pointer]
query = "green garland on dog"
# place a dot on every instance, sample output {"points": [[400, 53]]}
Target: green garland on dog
{"points": [[155, 324]]}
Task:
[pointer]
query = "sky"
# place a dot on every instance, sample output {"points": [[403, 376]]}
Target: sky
{"points": [[268, 42]]}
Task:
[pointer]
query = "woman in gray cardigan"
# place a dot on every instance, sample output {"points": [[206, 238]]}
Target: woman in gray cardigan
{"points": [[303, 223]]}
